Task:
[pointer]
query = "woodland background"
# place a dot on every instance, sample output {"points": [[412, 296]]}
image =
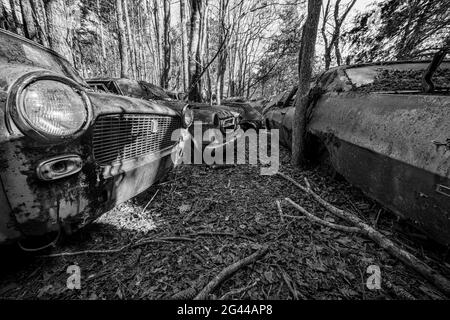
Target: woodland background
{"points": [[219, 48]]}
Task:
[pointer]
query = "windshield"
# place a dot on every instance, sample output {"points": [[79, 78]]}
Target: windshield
{"points": [[398, 77]]}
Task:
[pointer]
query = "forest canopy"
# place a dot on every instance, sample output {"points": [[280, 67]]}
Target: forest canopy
{"points": [[213, 49]]}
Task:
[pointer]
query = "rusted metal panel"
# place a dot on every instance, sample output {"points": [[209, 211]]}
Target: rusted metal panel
{"points": [[8, 230], [408, 191], [383, 144], [399, 126]]}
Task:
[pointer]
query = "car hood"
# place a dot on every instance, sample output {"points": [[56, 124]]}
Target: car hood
{"points": [[107, 103]]}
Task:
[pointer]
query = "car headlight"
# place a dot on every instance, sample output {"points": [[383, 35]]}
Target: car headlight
{"points": [[51, 108], [188, 116]]}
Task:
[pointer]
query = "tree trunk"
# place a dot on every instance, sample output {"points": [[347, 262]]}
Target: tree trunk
{"points": [[17, 16], [159, 50], [197, 7], [222, 60], [123, 44], [3, 23], [57, 33], [202, 55], [41, 23], [6, 18], [129, 37], [141, 36], [28, 21], [184, 45], [337, 52], [151, 42], [102, 40], [167, 47], [306, 57]]}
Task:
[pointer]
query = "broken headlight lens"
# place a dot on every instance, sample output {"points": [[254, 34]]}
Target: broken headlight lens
{"points": [[53, 108]]}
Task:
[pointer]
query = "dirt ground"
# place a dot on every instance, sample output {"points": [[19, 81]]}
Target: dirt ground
{"points": [[203, 219]]}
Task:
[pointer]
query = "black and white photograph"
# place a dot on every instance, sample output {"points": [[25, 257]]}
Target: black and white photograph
{"points": [[224, 155]]}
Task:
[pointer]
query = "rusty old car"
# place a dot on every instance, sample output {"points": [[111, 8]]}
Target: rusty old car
{"points": [[67, 153], [250, 117], [221, 118], [382, 131]]}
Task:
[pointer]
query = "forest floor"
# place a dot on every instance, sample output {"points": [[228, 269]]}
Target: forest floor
{"points": [[202, 219]]}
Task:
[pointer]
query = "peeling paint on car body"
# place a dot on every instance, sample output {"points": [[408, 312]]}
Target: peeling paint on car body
{"points": [[383, 142], [30, 206]]}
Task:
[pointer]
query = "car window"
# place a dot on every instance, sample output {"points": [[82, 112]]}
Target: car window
{"points": [[99, 87]]}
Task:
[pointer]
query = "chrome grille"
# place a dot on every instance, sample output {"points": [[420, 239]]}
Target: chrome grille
{"points": [[120, 137]]}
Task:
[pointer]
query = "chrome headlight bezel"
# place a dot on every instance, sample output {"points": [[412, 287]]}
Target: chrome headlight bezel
{"points": [[184, 112], [16, 106]]}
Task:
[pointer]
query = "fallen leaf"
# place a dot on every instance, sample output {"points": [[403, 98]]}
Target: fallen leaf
{"points": [[184, 208], [119, 293], [268, 275]]}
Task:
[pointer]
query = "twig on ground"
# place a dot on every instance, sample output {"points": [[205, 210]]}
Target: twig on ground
{"points": [[294, 217], [218, 234], [228, 271], [398, 291], [139, 243], [313, 218], [222, 166], [376, 219], [148, 203], [408, 259], [69, 254], [280, 211], [165, 239], [288, 280], [186, 294], [239, 291]]}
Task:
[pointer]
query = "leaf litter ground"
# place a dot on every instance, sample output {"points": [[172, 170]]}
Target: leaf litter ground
{"points": [[203, 219]]}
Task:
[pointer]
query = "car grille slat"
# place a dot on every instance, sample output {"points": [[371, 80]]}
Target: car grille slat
{"points": [[117, 138]]}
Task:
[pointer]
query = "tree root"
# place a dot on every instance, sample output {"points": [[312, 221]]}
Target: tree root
{"points": [[228, 271], [280, 211], [139, 243], [313, 218], [398, 291], [227, 295]]}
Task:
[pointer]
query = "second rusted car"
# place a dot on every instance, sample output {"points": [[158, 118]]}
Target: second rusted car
{"points": [[385, 134]]}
